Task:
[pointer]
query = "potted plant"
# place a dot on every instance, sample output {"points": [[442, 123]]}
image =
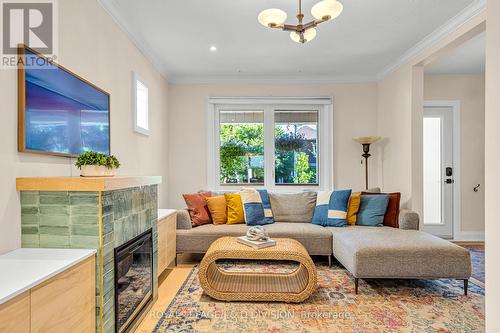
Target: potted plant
{"points": [[290, 142], [94, 164]]}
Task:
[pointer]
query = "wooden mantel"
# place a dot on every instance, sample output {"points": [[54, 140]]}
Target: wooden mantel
{"points": [[84, 183]]}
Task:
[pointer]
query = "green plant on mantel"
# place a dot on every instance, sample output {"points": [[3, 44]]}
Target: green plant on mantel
{"points": [[95, 158]]}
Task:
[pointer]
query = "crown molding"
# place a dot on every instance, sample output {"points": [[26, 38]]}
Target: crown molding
{"points": [[269, 79], [111, 8], [469, 12]]}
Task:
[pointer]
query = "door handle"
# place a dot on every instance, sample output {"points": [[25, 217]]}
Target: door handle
{"points": [[449, 181]]}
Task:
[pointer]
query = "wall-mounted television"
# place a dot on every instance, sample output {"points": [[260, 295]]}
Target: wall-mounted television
{"points": [[59, 113]]}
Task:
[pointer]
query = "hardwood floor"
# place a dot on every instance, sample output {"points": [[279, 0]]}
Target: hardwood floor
{"points": [[169, 283]]}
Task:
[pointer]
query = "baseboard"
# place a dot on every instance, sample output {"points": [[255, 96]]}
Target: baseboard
{"points": [[469, 236]]}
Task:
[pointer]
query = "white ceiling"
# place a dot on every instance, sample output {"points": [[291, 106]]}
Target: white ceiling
{"points": [[363, 42], [468, 58]]}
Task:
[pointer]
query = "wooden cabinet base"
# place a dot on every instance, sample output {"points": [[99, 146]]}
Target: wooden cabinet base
{"points": [[66, 302], [15, 314], [167, 229]]}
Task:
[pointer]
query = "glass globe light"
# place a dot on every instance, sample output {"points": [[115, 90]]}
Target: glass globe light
{"points": [[271, 17], [309, 35], [327, 8]]}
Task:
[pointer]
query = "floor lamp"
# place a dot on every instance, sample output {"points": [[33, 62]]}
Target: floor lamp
{"points": [[366, 141]]}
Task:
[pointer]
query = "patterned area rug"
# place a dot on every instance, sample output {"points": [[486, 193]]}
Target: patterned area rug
{"points": [[381, 306], [477, 257]]}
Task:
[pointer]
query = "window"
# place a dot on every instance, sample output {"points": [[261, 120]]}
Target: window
{"points": [[275, 145], [141, 106], [241, 152], [296, 147]]}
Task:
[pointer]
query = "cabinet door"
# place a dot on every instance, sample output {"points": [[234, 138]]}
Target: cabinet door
{"points": [[15, 314], [66, 302], [166, 242]]}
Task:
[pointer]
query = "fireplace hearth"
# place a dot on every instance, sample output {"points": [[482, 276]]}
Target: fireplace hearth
{"points": [[133, 279]]}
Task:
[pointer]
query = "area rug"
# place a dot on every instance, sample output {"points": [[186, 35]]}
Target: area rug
{"points": [[380, 306], [477, 257]]}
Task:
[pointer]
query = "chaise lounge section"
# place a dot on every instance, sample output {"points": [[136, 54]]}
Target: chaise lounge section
{"points": [[380, 253]]}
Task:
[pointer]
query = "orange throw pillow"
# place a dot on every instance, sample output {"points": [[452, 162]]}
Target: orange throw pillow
{"points": [[197, 207], [353, 208], [391, 217], [218, 209]]}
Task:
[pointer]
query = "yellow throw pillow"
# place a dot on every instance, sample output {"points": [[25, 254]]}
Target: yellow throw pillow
{"points": [[353, 209], [217, 207], [235, 213]]}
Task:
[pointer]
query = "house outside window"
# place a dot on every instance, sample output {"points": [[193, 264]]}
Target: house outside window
{"points": [[268, 142]]}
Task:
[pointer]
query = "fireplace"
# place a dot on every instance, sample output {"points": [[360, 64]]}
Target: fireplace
{"points": [[133, 279]]}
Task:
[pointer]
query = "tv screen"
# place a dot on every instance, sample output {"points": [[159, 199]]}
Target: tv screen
{"points": [[59, 112]]}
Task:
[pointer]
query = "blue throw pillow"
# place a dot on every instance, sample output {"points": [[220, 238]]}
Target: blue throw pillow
{"points": [[331, 208], [256, 207], [372, 210]]}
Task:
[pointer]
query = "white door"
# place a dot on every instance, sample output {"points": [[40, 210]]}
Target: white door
{"points": [[438, 171]]}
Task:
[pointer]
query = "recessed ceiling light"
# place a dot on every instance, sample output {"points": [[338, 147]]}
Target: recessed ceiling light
{"points": [[213, 48]]}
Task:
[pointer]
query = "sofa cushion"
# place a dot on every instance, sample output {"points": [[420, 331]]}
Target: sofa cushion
{"points": [[235, 213], [353, 209], [372, 210], [197, 207], [331, 208], [293, 207], [256, 207], [316, 239], [391, 217], [387, 252], [218, 209]]}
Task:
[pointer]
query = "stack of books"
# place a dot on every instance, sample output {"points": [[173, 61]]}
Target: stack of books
{"points": [[256, 244]]}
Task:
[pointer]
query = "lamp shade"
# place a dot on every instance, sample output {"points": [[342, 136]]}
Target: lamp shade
{"points": [[327, 9], [309, 35], [364, 140], [272, 16]]}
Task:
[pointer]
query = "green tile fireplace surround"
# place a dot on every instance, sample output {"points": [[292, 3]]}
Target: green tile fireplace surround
{"points": [[93, 213]]}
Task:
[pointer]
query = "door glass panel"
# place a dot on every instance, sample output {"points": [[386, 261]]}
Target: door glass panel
{"points": [[432, 171], [241, 147]]}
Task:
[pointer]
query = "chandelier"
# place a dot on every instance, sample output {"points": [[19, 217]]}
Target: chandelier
{"points": [[323, 11]]}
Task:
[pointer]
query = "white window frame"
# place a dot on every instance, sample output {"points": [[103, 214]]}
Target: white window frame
{"points": [[139, 129], [324, 107]]}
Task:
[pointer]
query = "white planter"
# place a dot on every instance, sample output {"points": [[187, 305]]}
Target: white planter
{"points": [[96, 171]]}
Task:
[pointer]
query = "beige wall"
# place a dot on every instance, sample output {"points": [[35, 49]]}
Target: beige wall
{"points": [[91, 45], [400, 112], [355, 114], [492, 163], [469, 90]]}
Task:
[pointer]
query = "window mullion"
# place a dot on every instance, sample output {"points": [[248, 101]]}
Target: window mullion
{"points": [[269, 146]]}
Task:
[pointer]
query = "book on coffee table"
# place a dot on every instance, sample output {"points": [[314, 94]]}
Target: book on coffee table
{"points": [[256, 244]]}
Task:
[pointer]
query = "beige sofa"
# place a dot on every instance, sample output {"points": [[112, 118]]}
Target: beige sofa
{"points": [[366, 252], [292, 214]]}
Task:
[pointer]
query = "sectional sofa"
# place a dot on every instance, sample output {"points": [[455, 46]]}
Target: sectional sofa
{"points": [[366, 252]]}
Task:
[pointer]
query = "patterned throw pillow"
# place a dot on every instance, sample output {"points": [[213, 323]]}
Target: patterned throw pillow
{"points": [[331, 208], [235, 213], [372, 210], [256, 206]]}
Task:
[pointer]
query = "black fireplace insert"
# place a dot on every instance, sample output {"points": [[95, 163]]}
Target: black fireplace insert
{"points": [[133, 279]]}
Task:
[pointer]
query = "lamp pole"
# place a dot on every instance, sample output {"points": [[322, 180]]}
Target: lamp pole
{"points": [[366, 154]]}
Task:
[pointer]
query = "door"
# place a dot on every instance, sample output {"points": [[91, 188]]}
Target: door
{"points": [[438, 171]]}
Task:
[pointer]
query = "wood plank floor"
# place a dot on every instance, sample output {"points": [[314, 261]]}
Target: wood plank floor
{"points": [[169, 283]]}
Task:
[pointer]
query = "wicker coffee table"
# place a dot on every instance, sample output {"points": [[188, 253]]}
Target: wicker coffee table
{"points": [[224, 285]]}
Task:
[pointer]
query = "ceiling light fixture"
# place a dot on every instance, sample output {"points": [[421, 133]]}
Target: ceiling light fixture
{"points": [[323, 11], [213, 48]]}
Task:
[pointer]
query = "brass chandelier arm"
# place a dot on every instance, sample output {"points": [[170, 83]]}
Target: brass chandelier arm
{"points": [[297, 28]]}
